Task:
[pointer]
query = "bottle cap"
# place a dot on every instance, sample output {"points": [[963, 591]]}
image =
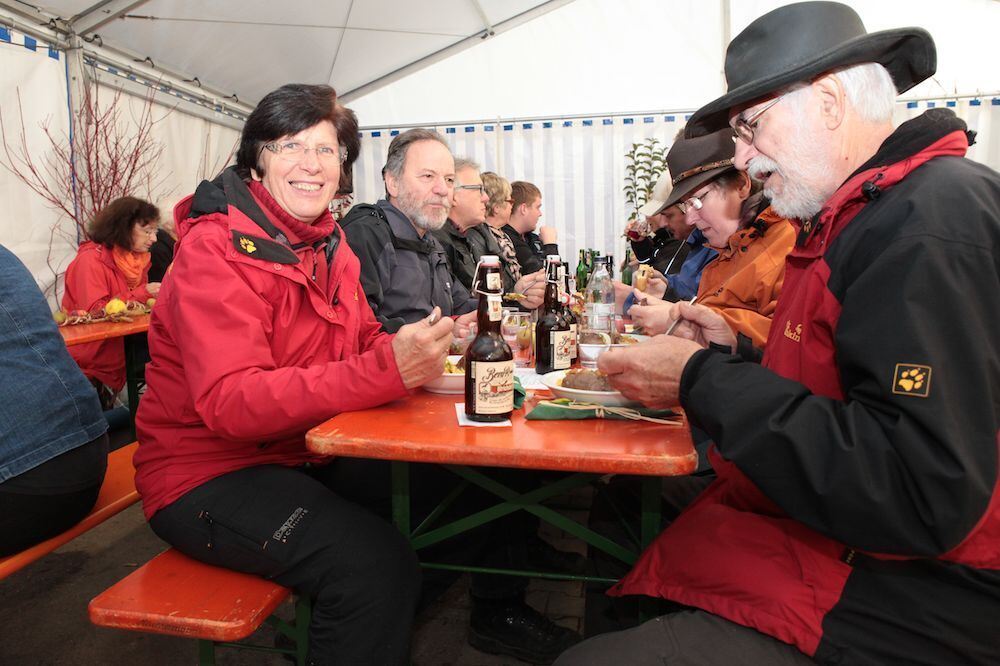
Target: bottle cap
{"points": [[490, 260], [553, 257]]}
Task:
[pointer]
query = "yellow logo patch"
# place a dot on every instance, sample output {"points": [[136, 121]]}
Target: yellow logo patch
{"points": [[912, 379], [795, 334], [248, 245]]}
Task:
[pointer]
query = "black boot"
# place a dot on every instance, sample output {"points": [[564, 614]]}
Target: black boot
{"points": [[514, 628], [540, 555]]}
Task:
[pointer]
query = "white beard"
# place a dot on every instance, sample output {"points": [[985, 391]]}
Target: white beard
{"points": [[413, 209]]}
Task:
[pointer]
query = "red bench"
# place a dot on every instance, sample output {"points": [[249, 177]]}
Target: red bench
{"points": [[175, 595], [117, 494]]}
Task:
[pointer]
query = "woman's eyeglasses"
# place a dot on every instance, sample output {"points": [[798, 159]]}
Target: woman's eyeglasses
{"points": [[293, 150]]}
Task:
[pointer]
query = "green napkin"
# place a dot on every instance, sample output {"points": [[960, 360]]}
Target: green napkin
{"points": [[519, 393], [570, 410]]}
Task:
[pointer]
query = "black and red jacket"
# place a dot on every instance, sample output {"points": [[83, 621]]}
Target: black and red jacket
{"points": [[856, 513]]}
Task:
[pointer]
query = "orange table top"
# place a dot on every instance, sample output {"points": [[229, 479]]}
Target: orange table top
{"points": [[423, 428], [79, 334]]}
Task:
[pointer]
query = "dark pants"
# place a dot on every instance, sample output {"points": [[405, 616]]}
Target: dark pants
{"points": [[52, 497], [691, 638], [285, 525]]}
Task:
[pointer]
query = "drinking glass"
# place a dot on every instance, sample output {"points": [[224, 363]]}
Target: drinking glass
{"points": [[517, 329]]}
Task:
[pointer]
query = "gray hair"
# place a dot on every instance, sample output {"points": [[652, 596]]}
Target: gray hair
{"points": [[869, 89], [465, 163], [401, 144]]}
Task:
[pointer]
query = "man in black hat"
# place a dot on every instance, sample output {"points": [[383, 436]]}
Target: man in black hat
{"points": [[856, 517]]}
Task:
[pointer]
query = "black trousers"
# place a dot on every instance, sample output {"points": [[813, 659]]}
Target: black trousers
{"points": [[287, 525], [51, 498]]}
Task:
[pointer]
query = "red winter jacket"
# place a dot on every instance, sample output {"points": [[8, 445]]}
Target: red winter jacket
{"points": [[856, 513], [92, 280], [248, 353]]}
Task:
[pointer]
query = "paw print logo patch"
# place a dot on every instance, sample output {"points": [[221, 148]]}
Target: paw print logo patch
{"points": [[912, 379], [248, 245]]}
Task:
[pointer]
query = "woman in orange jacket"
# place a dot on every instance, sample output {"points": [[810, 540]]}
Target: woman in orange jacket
{"points": [[743, 282], [114, 263]]}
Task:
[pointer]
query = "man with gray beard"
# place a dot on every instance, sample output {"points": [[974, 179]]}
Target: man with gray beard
{"points": [[855, 518], [404, 269]]}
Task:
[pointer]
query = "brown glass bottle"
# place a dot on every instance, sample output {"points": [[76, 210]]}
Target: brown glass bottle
{"points": [[552, 334], [489, 362], [568, 314]]}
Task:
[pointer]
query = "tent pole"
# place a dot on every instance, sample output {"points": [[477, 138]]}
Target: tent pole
{"points": [[727, 29]]}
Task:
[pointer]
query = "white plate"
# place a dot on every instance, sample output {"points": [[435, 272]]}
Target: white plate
{"points": [[448, 384], [553, 381]]}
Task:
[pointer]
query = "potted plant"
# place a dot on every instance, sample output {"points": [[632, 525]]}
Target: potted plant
{"points": [[643, 166]]}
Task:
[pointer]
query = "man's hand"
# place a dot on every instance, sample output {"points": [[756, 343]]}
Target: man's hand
{"points": [[153, 288], [656, 287], [463, 325], [421, 349], [547, 235], [702, 325], [533, 288], [649, 372]]}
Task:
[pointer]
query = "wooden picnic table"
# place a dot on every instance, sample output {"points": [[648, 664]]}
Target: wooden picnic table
{"points": [[424, 429]]}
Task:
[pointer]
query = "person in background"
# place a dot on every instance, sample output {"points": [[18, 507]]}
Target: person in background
{"points": [[665, 250], [261, 333], [743, 282], [53, 436], [498, 207], [114, 263], [466, 237], [856, 514], [161, 252], [525, 211]]}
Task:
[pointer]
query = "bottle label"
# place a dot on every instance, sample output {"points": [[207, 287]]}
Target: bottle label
{"points": [[492, 386], [493, 282], [561, 349], [494, 306], [572, 341]]}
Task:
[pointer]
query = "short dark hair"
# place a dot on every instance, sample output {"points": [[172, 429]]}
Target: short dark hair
{"points": [[523, 192], [289, 110], [113, 225], [401, 143]]}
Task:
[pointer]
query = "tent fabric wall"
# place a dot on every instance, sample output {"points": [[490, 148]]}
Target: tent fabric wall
{"points": [[579, 163]]}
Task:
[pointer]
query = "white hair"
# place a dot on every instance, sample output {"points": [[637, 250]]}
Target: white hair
{"points": [[868, 87]]}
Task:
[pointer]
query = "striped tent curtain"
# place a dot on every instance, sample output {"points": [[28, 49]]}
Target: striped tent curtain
{"points": [[579, 163]]}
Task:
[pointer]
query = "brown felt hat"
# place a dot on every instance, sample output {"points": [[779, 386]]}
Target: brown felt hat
{"points": [[694, 162]]}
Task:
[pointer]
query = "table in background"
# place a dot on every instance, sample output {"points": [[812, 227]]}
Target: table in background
{"points": [[424, 429], [133, 332]]}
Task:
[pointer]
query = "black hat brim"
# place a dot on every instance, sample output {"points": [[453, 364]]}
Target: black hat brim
{"points": [[907, 53]]}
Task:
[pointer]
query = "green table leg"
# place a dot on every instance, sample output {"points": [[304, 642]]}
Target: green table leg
{"points": [[650, 528]]}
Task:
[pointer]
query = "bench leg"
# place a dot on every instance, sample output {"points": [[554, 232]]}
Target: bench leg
{"points": [[206, 653], [303, 614]]}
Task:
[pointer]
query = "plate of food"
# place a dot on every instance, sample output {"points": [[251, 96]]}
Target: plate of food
{"points": [[583, 385], [452, 379]]}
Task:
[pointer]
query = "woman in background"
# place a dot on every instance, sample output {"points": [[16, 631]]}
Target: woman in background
{"points": [[114, 263]]}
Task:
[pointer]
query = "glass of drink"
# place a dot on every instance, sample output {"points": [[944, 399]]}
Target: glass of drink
{"points": [[516, 329]]}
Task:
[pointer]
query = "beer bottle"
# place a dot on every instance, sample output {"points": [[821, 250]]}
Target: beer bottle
{"points": [[568, 314], [627, 267], [552, 334], [581, 271], [489, 362]]}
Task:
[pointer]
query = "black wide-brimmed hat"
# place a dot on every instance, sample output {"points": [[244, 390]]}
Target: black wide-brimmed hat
{"points": [[801, 41], [694, 162]]}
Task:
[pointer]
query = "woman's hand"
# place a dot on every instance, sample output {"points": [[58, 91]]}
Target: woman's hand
{"points": [[656, 287], [653, 314], [153, 288], [702, 325], [421, 349]]}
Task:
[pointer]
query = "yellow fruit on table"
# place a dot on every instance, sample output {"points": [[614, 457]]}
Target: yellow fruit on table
{"points": [[524, 335], [115, 306], [150, 303], [60, 316]]}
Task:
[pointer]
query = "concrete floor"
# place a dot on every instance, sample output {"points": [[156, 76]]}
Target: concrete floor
{"points": [[43, 609]]}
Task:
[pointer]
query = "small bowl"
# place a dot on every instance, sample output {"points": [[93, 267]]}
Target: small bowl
{"points": [[449, 383], [591, 351]]}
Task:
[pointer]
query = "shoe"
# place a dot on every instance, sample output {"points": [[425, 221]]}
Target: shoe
{"points": [[516, 629], [540, 555]]}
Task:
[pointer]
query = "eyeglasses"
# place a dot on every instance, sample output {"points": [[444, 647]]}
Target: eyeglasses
{"points": [[693, 203], [476, 188], [744, 128], [293, 150]]}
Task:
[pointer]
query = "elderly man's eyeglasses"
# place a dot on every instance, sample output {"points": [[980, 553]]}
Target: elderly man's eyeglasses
{"points": [[744, 128], [293, 150], [479, 189]]}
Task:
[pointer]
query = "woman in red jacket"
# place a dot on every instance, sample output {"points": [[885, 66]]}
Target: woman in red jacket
{"points": [[261, 333], [114, 263]]}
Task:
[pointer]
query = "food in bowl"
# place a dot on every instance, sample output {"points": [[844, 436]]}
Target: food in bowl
{"points": [[603, 338], [586, 380], [454, 367]]}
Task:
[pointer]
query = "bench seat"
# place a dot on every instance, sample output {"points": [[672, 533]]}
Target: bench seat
{"points": [[117, 494]]}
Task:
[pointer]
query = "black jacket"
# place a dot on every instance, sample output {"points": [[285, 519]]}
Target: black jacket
{"points": [[530, 250]]}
